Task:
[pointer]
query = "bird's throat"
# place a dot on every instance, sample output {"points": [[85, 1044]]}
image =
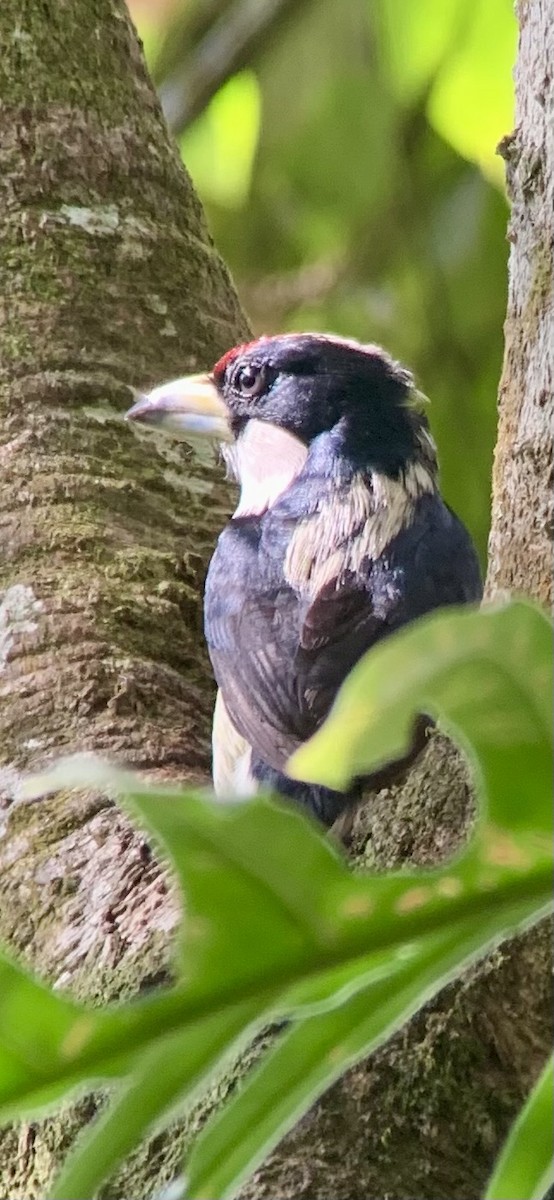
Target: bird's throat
{"points": [[265, 460]]}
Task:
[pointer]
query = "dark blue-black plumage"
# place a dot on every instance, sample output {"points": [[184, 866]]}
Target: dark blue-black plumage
{"points": [[358, 544], [340, 538]]}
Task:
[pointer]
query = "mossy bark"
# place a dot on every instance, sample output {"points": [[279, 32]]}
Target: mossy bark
{"points": [[110, 280]]}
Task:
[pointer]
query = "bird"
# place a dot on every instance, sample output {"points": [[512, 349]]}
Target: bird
{"points": [[340, 537]]}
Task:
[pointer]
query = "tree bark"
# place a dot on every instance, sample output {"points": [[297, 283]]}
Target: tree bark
{"points": [[109, 279], [520, 549], [112, 281]]}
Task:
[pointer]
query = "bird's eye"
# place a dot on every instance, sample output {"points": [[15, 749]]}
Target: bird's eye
{"points": [[250, 381]]}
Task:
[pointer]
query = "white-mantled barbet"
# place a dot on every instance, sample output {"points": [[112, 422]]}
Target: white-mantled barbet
{"points": [[339, 538]]}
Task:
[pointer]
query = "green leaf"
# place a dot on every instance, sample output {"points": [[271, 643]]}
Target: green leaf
{"points": [[315, 1052], [291, 932], [245, 912], [295, 912], [166, 1074], [349, 930], [525, 1169], [485, 673], [39, 1031]]}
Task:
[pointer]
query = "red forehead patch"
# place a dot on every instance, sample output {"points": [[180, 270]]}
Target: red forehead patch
{"points": [[222, 363]]}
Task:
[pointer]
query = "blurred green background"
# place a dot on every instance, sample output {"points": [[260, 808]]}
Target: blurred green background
{"points": [[344, 151]]}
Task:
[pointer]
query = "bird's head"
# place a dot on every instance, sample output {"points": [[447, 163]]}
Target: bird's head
{"points": [[272, 398]]}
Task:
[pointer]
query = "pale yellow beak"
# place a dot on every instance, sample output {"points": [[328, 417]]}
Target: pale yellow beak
{"points": [[188, 407]]}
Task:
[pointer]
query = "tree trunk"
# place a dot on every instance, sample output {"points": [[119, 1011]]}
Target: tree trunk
{"points": [[112, 281], [520, 548], [109, 279]]}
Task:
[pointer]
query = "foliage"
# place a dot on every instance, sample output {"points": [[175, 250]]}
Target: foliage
{"points": [[347, 166], [277, 929], [526, 1166]]}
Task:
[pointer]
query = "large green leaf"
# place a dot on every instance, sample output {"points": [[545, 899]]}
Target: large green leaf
{"points": [[486, 674], [290, 932], [38, 1033], [294, 912], [169, 1071], [312, 1054]]}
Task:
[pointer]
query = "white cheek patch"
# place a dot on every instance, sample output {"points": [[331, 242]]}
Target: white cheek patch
{"points": [[266, 459]]}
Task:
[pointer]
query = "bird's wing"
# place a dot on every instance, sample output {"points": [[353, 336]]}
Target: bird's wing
{"points": [[430, 563], [285, 652], [250, 628], [338, 626], [289, 658]]}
